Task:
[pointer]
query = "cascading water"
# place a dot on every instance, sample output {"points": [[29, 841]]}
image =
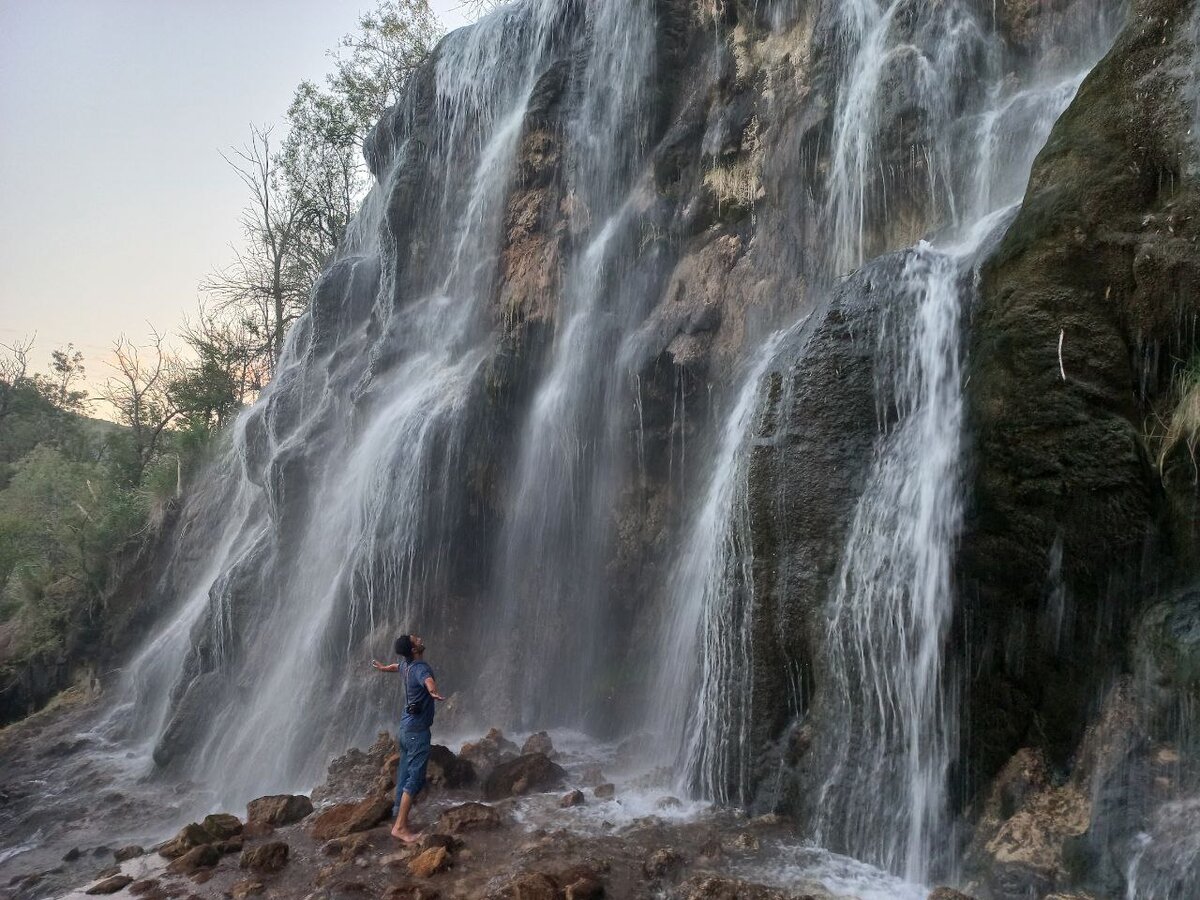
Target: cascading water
{"points": [[885, 702]]}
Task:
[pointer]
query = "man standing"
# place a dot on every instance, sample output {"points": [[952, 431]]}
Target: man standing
{"points": [[420, 693]]}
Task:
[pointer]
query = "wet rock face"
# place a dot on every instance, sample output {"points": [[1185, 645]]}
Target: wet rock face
{"points": [[529, 773], [278, 809], [1100, 260]]}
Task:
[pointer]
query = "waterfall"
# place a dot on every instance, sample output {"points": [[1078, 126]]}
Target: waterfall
{"points": [[886, 700]]}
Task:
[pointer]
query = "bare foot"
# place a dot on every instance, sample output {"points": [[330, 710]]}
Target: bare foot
{"points": [[405, 835]]}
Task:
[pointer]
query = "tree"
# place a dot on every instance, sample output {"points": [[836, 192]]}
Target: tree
{"points": [[267, 284], [58, 385], [14, 374], [139, 394], [321, 159]]}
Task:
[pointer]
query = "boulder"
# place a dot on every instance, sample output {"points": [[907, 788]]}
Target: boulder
{"points": [[190, 836], [148, 886], [348, 818], [531, 773], [131, 852], [445, 770], [203, 857], [232, 845], [278, 809], [662, 863], [429, 862], [605, 791], [489, 751], [265, 858], [468, 817], [110, 885], [356, 773], [571, 798], [254, 830], [538, 743], [718, 887], [528, 886], [222, 825], [348, 847]]}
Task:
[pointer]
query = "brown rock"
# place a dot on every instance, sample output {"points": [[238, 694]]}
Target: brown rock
{"points": [[529, 886], [605, 791], [146, 886], [240, 890], [746, 842], [222, 825], [531, 773], [410, 892], [945, 893], [489, 751], [538, 743], [348, 847], [585, 889], [110, 885], [190, 836], [572, 798], [131, 852], [279, 809], [662, 863], [347, 818], [717, 887], [429, 862], [437, 839], [254, 830], [200, 876], [267, 858], [468, 817], [233, 845], [203, 857], [446, 770]]}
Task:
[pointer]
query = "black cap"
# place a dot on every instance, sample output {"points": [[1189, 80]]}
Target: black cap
{"points": [[404, 646]]}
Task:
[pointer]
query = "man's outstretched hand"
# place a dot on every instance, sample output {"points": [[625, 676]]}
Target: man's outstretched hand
{"points": [[380, 667]]}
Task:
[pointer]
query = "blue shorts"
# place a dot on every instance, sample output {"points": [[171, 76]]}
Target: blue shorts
{"points": [[410, 771]]}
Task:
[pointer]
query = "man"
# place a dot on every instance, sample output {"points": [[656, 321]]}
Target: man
{"points": [[420, 693]]}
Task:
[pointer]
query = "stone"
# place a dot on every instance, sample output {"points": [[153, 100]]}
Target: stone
{"points": [[662, 863], [232, 845], [445, 770], [947, 893], [190, 836], [248, 887], [746, 842], [222, 825], [572, 798], [437, 839], [255, 830], [266, 858], [528, 886], [585, 888], [468, 817], [489, 751], [347, 847], [538, 743], [131, 852], [110, 885], [605, 791], [203, 857], [410, 892], [145, 886], [429, 862], [717, 887], [531, 773], [279, 809], [347, 818], [71, 855]]}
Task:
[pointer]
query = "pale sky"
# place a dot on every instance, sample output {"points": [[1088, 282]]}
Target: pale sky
{"points": [[114, 200]]}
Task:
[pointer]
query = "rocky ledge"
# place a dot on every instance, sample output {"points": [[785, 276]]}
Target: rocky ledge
{"points": [[547, 829]]}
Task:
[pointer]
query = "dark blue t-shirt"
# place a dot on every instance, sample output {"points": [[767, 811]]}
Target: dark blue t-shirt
{"points": [[416, 696]]}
